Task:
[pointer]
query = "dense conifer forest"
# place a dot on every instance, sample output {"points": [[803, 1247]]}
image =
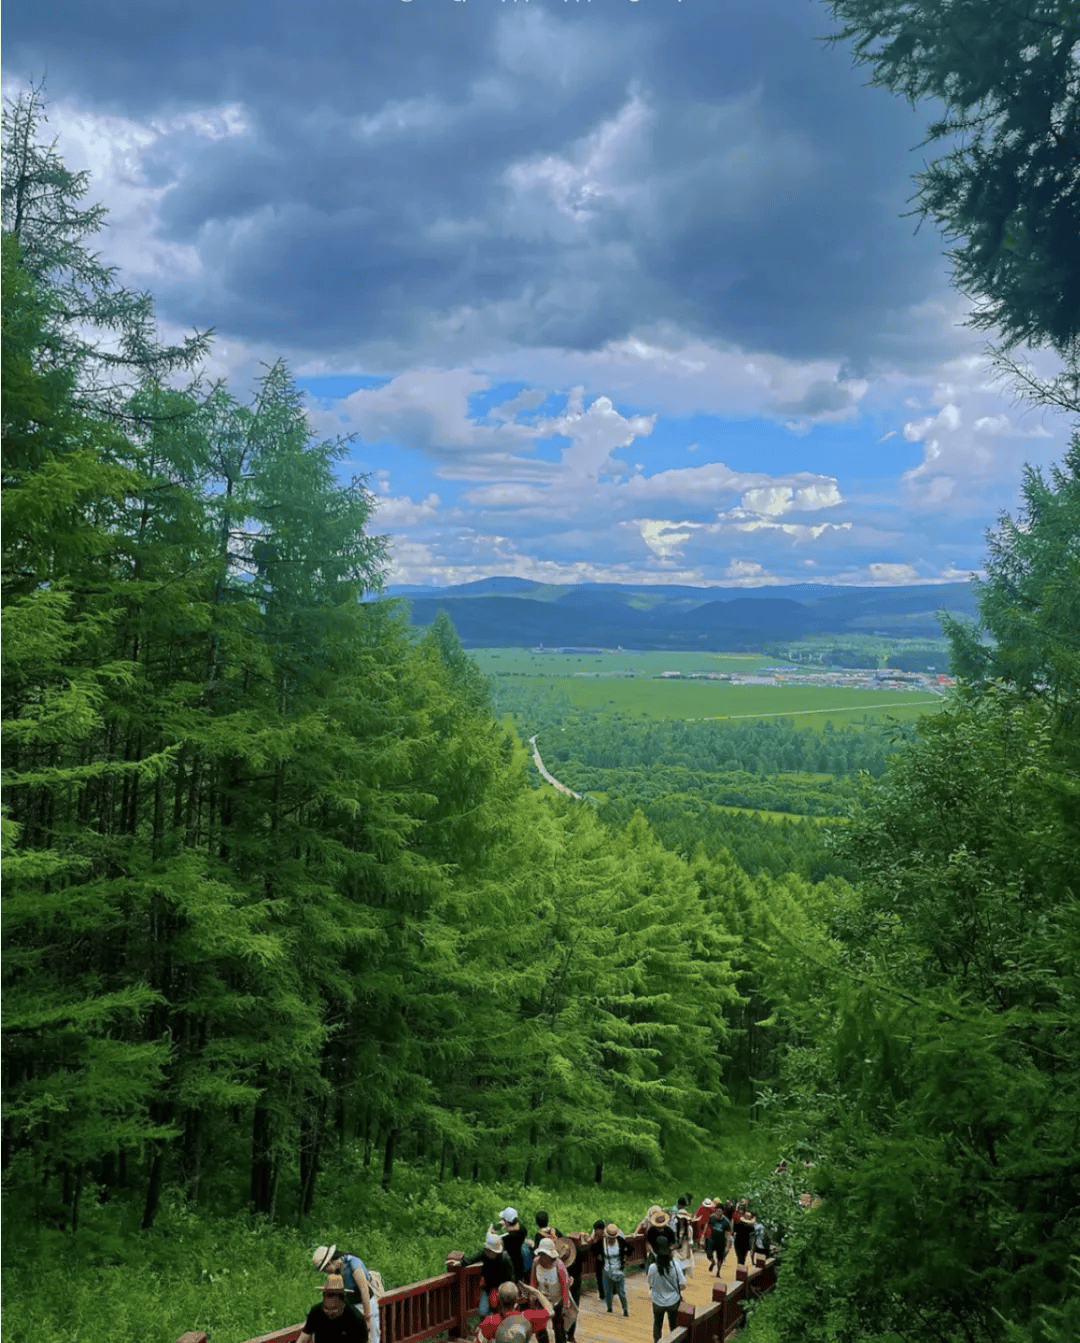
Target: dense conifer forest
{"points": [[282, 907]]}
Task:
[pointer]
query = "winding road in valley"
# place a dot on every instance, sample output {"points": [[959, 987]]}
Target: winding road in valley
{"points": [[550, 777]]}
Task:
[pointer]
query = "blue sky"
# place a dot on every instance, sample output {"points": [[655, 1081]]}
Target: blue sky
{"points": [[613, 290]]}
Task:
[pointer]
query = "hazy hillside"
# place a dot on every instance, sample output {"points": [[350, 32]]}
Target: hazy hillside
{"points": [[513, 611]]}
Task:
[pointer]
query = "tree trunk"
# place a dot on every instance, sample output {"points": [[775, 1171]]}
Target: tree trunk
{"points": [[598, 1174], [261, 1173], [75, 1197], [310, 1130], [193, 1150], [153, 1186], [388, 1157]]}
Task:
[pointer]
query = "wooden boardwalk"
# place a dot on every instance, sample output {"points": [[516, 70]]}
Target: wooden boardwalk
{"points": [[443, 1305], [597, 1326]]}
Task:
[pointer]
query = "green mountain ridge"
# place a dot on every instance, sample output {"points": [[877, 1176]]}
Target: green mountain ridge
{"points": [[490, 614]]}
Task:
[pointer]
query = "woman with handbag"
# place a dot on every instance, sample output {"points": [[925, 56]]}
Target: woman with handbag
{"points": [[665, 1287]]}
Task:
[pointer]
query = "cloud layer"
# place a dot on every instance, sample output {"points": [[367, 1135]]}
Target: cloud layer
{"points": [[626, 287]]}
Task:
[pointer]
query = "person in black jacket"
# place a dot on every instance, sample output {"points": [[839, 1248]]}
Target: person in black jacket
{"points": [[495, 1268], [597, 1244], [332, 1321], [513, 1239], [744, 1231]]}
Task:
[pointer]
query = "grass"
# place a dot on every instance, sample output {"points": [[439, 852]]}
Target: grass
{"points": [[811, 706], [777, 816], [520, 661]]}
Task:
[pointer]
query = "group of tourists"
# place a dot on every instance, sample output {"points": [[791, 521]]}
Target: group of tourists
{"points": [[530, 1284]]}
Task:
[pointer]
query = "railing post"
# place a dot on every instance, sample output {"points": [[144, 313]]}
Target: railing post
{"points": [[190, 1337], [462, 1303], [685, 1318]]}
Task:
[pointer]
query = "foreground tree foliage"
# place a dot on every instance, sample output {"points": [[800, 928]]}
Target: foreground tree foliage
{"points": [[1009, 188], [274, 878], [939, 1083]]}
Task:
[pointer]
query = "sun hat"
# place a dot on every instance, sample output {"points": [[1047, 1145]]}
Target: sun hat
{"points": [[566, 1249], [324, 1255], [335, 1285], [611, 1231], [509, 1214], [707, 1203], [547, 1246], [515, 1329], [493, 1242], [659, 1218]]}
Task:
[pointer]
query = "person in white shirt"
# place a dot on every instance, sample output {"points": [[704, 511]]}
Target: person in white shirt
{"points": [[666, 1283]]}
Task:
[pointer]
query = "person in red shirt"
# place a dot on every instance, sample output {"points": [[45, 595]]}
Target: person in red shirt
{"points": [[701, 1227], [510, 1304]]}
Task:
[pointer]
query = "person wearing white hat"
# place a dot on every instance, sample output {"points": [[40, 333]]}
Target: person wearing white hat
{"points": [[495, 1269], [513, 1239]]}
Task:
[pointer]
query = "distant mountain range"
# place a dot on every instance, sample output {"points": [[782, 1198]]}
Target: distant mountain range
{"points": [[505, 612]]}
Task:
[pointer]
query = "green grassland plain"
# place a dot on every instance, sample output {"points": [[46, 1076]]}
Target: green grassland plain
{"points": [[628, 685], [525, 662]]}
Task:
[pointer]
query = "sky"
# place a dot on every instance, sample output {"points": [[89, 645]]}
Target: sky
{"points": [[602, 290]]}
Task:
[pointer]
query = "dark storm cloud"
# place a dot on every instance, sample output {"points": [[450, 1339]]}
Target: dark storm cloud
{"points": [[561, 174]]}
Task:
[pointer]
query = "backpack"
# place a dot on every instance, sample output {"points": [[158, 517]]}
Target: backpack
{"points": [[374, 1279]]}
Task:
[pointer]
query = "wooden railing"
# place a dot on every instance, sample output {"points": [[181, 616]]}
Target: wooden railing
{"points": [[442, 1305], [726, 1315]]}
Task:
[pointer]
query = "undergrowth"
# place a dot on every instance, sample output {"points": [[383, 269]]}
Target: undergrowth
{"points": [[236, 1277]]}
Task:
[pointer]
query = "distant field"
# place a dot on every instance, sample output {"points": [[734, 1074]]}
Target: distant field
{"points": [[810, 706], [552, 666], [777, 816]]}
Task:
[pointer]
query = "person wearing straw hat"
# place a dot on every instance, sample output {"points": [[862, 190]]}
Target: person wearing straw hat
{"points": [[571, 1257], [358, 1291], [549, 1276], [659, 1225], [612, 1255], [332, 1321], [683, 1229], [514, 1330]]}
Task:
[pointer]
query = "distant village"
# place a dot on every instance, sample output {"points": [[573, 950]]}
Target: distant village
{"points": [[867, 678]]}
